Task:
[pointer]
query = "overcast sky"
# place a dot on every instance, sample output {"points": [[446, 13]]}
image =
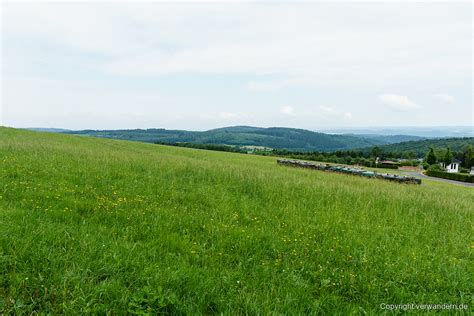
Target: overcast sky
{"points": [[107, 65]]}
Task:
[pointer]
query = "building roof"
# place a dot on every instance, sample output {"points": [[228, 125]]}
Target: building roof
{"points": [[388, 162]]}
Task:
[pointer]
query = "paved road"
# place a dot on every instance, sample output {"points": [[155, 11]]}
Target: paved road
{"points": [[420, 175]]}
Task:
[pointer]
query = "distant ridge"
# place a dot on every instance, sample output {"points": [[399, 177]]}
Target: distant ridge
{"points": [[425, 132], [273, 137], [51, 130], [421, 147]]}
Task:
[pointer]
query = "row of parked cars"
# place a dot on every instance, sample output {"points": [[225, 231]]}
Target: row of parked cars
{"points": [[349, 170]]}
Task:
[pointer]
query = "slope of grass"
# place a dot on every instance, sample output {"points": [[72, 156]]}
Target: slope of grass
{"points": [[95, 226]]}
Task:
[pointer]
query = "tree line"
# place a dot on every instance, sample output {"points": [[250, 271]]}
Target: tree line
{"points": [[466, 157], [366, 158]]}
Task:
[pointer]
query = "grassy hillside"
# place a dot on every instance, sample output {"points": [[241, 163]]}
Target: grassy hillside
{"points": [[95, 225], [274, 137]]}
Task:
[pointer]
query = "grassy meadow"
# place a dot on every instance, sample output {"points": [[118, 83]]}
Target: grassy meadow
{"points": [[101, 226]]}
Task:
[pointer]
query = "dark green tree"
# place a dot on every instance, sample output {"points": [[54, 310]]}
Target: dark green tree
{"points": [[411, 155], [376, 151], [448, 157], [469, 158], [431, 157]]}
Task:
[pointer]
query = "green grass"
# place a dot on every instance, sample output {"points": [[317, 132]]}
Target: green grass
{"points": [[101, 226]]}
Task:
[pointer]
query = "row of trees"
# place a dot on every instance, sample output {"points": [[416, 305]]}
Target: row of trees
{"points": [[214, 147], [367, 158], [466, 157], [350, 157]]}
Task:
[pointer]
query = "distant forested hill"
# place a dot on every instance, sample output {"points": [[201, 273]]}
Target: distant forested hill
{"points": [[50, 130], [274, 137], [421, 147], [389, 139]]}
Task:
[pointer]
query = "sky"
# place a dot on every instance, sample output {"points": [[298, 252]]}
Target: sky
{"points": [[202, 65]]}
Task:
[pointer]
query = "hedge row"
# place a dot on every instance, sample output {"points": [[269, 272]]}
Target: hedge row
{"points": [[451, 176], [347, 170]]}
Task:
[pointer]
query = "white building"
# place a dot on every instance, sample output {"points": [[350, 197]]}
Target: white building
{"points": [[452, 167], [472, 171]]}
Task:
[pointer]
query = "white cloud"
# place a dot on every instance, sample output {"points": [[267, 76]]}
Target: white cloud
{"points": [[154, 39], [328, 110], [231, 115], [445, 98], [398, 102], [95, 105], [277, 84], [191, 58], [287, 110], [329, 113]]}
